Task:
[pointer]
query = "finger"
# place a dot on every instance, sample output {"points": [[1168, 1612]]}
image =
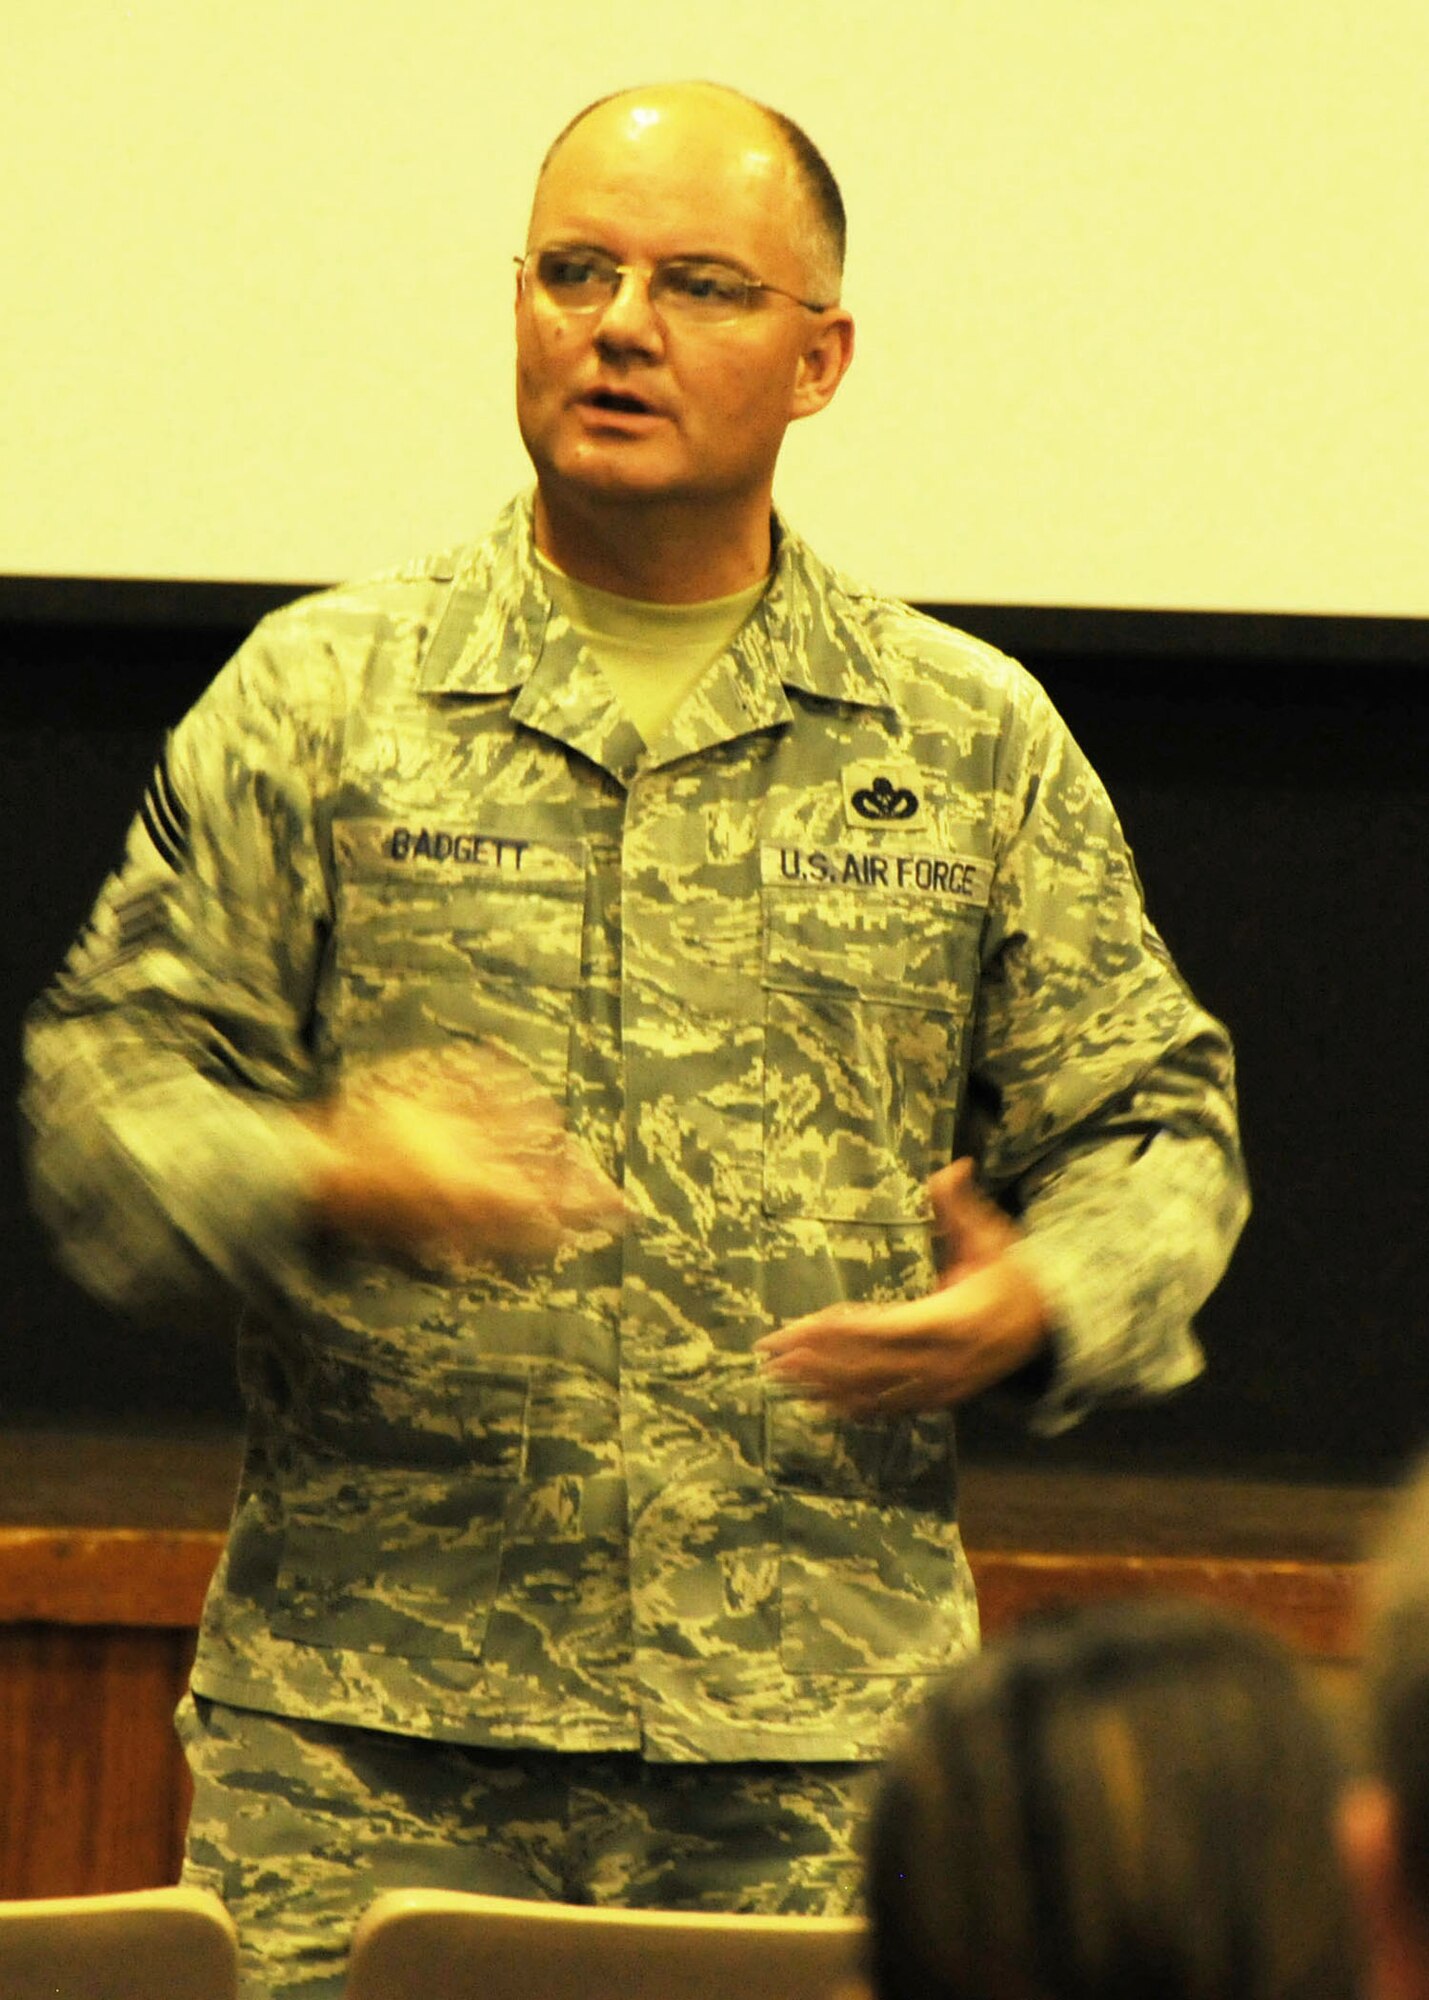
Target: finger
{"points": [[944, 1190], [581, 1193], [971, 1229], [930, 1314], [864, 1380], [865, 1367], [502, 1216], [588, 1199], [896, 1396], [792, 1332], [848, 1391], [465, 1081], [922, 1353]]}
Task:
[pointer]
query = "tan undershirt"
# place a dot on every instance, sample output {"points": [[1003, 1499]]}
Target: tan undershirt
{"points": [[652, 654]]}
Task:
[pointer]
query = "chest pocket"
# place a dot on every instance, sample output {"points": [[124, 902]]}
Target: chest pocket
{"points": [[477, 937], [866, 1001]]}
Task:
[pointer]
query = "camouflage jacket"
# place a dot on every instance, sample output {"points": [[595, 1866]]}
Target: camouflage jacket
{"points": [[860, 905]]}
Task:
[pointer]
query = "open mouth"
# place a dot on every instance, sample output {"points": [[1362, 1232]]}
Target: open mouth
{"points": [[614, 399]]}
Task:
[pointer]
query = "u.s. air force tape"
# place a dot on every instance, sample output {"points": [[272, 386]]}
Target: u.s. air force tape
{"points": [[964, 879]]}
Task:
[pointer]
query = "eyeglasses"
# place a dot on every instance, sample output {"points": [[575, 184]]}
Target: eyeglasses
{"points": [[697, 289]]}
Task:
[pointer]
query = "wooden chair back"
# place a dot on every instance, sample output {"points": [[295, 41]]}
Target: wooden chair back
{"points": [[143, 1944], [430, 1944]]}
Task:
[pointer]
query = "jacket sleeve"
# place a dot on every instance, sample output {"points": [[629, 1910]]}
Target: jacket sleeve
{"points": [[163, 1064], [1102, 1097]]}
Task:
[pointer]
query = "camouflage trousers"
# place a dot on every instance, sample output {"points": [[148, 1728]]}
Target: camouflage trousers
{"points": [[298, 1825]]}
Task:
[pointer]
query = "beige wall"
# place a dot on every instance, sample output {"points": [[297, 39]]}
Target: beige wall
{"points": [[1142, 284]]}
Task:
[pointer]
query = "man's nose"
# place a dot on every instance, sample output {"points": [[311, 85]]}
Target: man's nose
{"points": [[630, 319]]}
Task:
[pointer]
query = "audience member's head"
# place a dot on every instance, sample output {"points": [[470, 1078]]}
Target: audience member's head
{"points": [[1386, 1818], [1134, 1802]]}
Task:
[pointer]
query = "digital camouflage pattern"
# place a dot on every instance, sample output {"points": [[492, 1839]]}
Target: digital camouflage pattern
{"points": [[299, 1826], [862, 905]]}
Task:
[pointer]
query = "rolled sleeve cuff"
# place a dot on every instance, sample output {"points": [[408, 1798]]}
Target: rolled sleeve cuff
{"points": [[207, 1199], [1100, 1348]]}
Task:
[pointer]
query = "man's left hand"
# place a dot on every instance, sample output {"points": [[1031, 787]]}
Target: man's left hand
{"points": [[985, 1319]]}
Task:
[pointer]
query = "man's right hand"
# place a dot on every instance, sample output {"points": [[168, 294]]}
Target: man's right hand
{"points": [[451, 1156]]}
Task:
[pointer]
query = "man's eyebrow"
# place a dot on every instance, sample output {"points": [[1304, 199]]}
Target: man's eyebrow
{"points": [[711, 257], [724, 257]]}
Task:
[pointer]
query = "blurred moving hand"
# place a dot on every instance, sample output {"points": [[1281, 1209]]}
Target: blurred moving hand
{"points": [[985, 1319], [453, 1155]]}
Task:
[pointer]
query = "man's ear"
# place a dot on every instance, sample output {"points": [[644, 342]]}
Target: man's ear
{"points": [[1394, 1931], [823, 363]]}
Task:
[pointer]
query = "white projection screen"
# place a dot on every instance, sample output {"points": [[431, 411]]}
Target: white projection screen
{"points": [[1142, 286]]}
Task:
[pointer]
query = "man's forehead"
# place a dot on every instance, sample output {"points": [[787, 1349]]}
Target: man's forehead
{"points": [[666, 134], [678, 170]]}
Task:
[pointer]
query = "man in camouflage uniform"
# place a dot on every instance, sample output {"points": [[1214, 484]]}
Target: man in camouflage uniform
{"points": [[598, 1513]]}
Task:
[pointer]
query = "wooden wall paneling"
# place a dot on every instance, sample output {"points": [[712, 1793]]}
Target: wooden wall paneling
{"points": [[97, 1630], [91, 1777], [106, 1576], [1313, 1607]]}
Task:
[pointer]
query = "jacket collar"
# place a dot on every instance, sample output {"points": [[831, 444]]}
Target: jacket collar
{"points": [[808, 632]]}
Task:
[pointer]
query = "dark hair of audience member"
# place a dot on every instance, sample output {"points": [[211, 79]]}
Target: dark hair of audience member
{"points": [[1397, 1674], [1132, 1802]]}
